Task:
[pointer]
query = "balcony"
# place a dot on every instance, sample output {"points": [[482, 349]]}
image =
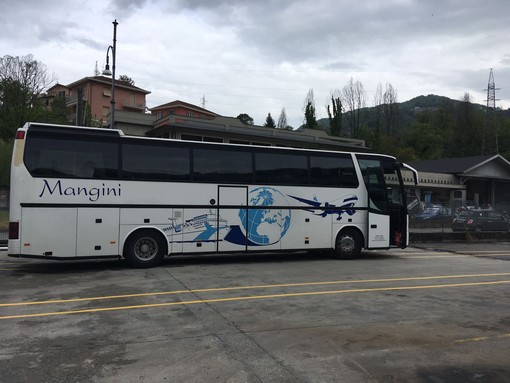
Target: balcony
{"points": [[138, 106], [73, 100]]}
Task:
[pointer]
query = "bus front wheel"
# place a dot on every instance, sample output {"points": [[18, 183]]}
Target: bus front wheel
{"points": [[348, 244], [145, 248]]}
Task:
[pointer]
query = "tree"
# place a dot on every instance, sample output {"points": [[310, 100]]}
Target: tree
{"points": [[427, 140], [245, 119], [391, 110], [22, 81], [379, 111], [58, 112], [504, 138], [269, 121], [282, 120], [354, 100], [127, 79], [310, 118], [5, 162], [335, 115], [466, 135]]}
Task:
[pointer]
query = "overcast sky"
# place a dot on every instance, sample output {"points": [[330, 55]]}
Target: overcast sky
{"points": [[259, 56]]}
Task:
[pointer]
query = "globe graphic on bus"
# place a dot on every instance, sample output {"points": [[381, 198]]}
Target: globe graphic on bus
{"points": [[266, 225]]}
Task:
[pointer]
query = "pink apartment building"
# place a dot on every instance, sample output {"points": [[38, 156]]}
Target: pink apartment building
{"points": [[95, 95]]}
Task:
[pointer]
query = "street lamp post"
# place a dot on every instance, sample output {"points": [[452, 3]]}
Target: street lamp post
{"points": [[107, 72]]}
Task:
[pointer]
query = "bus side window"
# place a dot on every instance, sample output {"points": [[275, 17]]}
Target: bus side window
{"points": [[71, 158], [333, 170], [86, 169]]}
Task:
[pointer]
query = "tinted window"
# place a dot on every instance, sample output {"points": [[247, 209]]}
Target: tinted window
{"points": [[220, 165], [333, 171], [281, 168], [147, 161], [68, 157]]}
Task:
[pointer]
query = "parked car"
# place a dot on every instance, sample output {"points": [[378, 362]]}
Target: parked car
{"points": [[480, 220], [503, 207], [433, 212]]}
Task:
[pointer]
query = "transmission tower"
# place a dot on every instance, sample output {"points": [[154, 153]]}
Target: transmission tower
{"points": [[203, 101], [490, 132]]}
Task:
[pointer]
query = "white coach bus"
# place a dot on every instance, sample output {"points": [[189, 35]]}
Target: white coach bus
{"points": [[83, 192]]}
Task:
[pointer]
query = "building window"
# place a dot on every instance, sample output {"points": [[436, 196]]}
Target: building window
{"points": [[212, 139], [106, 111], [239, 142], [107, 92], [190, 137]]}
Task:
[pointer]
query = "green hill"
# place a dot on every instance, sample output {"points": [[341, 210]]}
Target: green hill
{"points": [[408, 110], [432, 127]]}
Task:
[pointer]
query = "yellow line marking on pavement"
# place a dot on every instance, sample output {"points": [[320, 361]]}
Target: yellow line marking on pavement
{"points": [[428, 254], [450, 255], [252, 297], [491, 255], [215, 289], [483, 338], [485, 251]]}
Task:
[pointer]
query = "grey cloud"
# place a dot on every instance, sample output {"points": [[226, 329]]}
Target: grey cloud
{"points": [[66, 32], [342, 66], [125, 8], [94, 44], [300, 30], [56, 30], [505, 61]]}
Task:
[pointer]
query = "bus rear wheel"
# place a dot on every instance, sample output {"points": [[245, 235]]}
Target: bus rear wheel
{"points": [[348, 244], [145, 248]]}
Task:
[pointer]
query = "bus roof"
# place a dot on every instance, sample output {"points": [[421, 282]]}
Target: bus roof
{"points": [[74, 129], [54, 128]]}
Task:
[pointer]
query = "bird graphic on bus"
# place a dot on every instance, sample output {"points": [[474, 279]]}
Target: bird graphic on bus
{"points": [[323, 209]]}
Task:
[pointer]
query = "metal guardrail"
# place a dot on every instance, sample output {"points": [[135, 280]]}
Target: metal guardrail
{"points": [[3, 238]]}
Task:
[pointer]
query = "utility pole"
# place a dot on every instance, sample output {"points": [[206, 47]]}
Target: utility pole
{"points": [[107, 72], [490, 131]]}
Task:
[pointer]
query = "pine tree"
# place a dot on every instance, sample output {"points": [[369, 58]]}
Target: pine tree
{"points": [[269, 122], [335, 118], [310, 118], [282, 120]]}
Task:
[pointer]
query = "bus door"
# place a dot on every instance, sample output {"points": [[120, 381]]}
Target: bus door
{"points": [[232, 218], [378, 221]]}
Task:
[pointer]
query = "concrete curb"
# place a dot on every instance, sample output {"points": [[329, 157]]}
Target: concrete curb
{"points": [[459, 236]]}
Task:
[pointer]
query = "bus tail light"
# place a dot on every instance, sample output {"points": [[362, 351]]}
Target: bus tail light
{"points": [[13, 230]]}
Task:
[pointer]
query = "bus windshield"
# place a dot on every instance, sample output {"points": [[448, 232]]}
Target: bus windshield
{"points": [[383, 180]]}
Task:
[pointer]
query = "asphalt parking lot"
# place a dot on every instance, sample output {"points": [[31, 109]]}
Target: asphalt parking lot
{"points": [[439, 313]]}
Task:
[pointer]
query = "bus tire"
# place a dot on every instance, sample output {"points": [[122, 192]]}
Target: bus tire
{"points": [[348, 244], [145, 248]]}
